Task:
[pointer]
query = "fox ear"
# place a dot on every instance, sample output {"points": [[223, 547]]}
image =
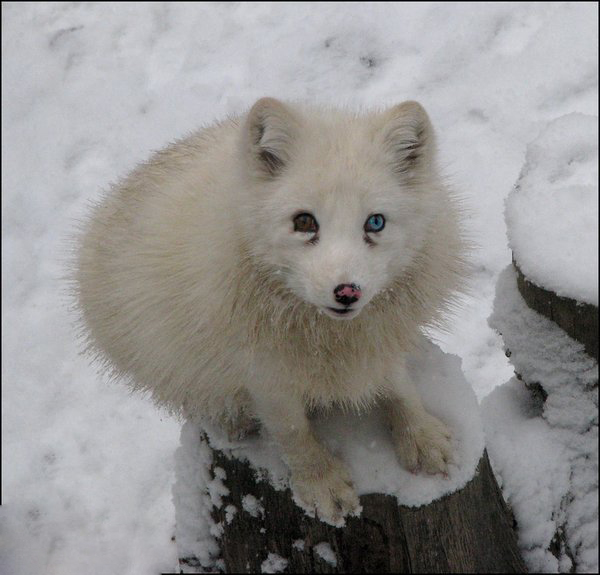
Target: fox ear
{"points": [[408, 136], [270, 132]]}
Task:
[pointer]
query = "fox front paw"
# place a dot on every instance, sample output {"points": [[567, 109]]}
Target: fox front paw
{"points": [[423, 442], [330, 496]]}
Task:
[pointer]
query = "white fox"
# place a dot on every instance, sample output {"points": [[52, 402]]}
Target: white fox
{"points": [[279, 262]]}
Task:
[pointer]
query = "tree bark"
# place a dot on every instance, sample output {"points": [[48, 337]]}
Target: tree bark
{"points": [[470, 531]]}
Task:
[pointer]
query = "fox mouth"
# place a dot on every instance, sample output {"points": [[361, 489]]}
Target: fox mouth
{"points": [[341, 311], [346, 313]]}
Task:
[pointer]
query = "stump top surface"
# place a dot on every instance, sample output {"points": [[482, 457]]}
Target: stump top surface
{"points": [[364, 444], [552, 213]]}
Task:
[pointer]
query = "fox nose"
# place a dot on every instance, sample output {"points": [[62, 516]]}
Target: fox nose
{"points": [[347, 294]]}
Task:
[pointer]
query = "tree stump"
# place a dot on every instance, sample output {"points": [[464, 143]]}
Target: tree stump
{"points": [[554, 356], [469, 531]]}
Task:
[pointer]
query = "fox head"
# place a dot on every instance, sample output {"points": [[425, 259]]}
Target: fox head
{"points": [[341, 203]]}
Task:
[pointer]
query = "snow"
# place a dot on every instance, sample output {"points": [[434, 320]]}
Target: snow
{"points": [[194, 495], [230, 512], [89, 89], [325, 552], [273, 564], [546, 457], [552, 213], [252, 506]]}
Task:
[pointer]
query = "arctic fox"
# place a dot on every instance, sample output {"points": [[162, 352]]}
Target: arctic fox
{"points": [[275, 263]]}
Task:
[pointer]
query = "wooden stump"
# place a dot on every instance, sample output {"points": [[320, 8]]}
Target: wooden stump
{"points": [[580, 321], [470, 531]]}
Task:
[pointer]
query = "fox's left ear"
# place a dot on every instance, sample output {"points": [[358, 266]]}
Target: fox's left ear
{"points": [[407, 136]]}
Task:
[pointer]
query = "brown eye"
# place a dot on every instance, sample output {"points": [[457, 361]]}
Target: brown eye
{"points": [[306, 223]]}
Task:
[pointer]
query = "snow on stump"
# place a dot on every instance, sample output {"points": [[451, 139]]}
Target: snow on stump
{"points": [[235, 512], [544, 448], [552, 221], [578, 319], [544, 445]]}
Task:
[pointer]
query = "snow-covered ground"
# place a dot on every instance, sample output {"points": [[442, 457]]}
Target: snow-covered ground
{"points": [[90, 89]]}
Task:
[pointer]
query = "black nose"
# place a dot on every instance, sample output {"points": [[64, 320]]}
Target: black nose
{"points": [[347, 294]]}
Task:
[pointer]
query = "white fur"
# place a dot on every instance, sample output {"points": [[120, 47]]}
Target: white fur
{"points": [[193, 283]]}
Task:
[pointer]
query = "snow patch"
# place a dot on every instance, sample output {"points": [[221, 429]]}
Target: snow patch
{"points": [[230, 512], [252, 506], [325, 552], [552, 213], [195, 493], [273, 564]]}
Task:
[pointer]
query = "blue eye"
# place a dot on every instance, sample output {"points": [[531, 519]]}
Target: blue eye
{"points": [[375, 223]]}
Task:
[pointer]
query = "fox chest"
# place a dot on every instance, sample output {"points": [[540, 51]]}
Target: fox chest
{"points": [[324, 379]]}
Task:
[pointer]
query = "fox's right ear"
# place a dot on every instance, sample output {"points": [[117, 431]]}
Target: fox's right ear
{"points": [[269, 134]]}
